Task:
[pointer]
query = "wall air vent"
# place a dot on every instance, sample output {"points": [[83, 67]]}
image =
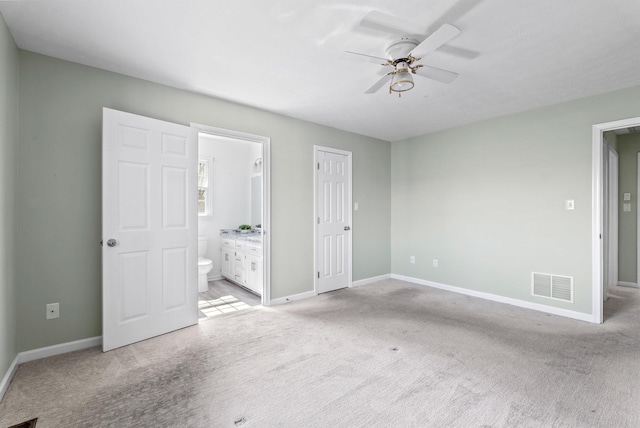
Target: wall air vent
{"points": [[552, 286]]}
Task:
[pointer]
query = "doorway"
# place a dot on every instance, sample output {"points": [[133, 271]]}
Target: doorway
{"points": [[603, 213], [233, 221]]}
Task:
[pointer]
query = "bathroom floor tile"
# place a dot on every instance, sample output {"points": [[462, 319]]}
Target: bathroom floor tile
{"points": [[225, 297]]}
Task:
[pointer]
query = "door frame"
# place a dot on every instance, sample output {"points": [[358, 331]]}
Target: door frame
{"points": [[266, 196], [316, 267], [597, 206]]}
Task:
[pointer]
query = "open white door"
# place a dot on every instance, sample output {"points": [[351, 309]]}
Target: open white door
{"points": [[149, 228], [333, 219], [612, 217]]}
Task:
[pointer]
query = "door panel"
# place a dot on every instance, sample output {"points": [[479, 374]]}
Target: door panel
{"points": [[134, 286], [174, 275], [133, 180], [333, 202], [149, 209], [174, 198]]}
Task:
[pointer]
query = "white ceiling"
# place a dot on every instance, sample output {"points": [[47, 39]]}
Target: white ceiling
{"points": [[286, 56]]}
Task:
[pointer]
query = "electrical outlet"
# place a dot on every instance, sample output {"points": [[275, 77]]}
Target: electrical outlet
{"points": [[435, 262], [53, 310], [412, 259]]}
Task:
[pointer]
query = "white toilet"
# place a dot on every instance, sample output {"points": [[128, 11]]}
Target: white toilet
{"points": [[204, 265]]}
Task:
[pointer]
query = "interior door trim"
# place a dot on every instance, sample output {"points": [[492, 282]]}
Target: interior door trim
{"points": [[597, 167], [266, 195]]}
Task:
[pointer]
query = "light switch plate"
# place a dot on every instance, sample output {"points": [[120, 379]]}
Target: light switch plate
{"points": [[627, 196], [626, 207], [570, 204]]}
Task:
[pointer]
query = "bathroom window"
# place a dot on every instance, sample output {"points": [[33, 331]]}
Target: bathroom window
{"points": [[204, 194]]}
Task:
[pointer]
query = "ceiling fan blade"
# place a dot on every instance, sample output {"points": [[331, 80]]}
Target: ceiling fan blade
{"points": [[369, 58], [389, 24], [438, 38], [379, 84], [438, 74]]}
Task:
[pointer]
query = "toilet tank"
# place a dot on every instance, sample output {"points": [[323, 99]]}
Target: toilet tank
{"points": [[202, 246]]}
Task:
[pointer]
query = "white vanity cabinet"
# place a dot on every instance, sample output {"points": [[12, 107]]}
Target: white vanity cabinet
{"points": [[241, 261], [227, 258], [253, 267]]}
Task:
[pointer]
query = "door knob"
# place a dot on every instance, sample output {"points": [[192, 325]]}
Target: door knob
{"points": [[112, 243], [347, 228]]}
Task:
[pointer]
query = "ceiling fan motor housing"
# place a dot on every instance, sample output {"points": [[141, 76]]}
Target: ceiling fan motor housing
{"points": [[401, 48]]}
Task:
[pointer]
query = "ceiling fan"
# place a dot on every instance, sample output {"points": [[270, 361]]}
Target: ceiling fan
{"points": [[406, 53]]}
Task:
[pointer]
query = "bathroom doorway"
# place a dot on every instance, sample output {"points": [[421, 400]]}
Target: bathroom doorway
{"points": [[232, 221]]}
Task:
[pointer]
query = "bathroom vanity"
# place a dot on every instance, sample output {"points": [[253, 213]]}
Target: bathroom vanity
{"points": [[241, 258]]}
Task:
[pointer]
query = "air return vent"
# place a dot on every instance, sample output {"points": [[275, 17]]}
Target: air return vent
{"points": [[552, 286]]}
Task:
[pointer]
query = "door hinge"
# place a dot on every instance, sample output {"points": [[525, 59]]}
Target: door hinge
{"points": [[318, 220], [318, 275], [318, 165]]}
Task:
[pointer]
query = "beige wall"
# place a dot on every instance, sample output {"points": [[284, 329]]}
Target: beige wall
{"points": [[8, 160], [488, 200], [628, 148], [59, 189]]}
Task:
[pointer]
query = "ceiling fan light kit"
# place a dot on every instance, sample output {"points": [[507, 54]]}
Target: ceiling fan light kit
{"points": [[401, 80], [404, 54]]}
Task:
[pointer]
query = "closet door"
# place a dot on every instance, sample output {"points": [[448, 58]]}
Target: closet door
{"points": [[333, 215]]}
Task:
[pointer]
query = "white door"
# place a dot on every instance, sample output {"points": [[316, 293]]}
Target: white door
{"points": [[333, 219], [606, 212], [149, 228], [612, 258]]}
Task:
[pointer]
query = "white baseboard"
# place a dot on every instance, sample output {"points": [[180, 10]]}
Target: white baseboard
{"points": [[61, 348], [307, 294], [371, 280], [292, 298], [627, 284], [49, 351], [500, 299], [6, 380]]}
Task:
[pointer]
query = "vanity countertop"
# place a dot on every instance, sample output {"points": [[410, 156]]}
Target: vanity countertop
{"points": [[254, 236]]}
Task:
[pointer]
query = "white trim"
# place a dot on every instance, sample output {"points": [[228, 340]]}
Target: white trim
{"points": [[6, 380], [371, 280], [62, 348], [500, 299], [628, 284], [292, 298], [597, 131], [266, 196], [316, 268]]}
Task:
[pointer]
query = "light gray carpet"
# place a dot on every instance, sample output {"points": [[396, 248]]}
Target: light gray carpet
{"points": [[387, 354]]}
